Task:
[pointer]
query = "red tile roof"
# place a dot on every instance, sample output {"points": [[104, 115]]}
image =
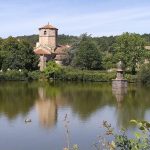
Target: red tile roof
{"points": [[59, 53], [41, 52], [61, 49], [48, 26]]}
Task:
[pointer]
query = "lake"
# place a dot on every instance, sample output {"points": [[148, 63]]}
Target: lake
{"points": [[87, 105]]}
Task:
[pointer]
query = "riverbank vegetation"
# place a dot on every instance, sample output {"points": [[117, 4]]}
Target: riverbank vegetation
{"points": [[114, 140], [88, 59]]}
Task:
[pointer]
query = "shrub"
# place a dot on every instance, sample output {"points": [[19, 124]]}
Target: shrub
{"points": [[144, 74], [13, 75], [140, 141], [33, 75], [70, 74], [131, 78], [52, 70]]}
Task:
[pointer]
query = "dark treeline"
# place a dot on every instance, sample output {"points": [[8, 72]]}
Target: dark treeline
{"points": [[86, 52], [105, 42], [62, 39], [100, 51], [18, 61]]}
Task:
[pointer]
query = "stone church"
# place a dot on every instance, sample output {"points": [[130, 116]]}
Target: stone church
{"points": [[47, 47]]}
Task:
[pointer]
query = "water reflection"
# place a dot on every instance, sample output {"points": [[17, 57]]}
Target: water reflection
{"points": [[119, 93], [46, 108], [16, 98], [87, 105], [84, 100], [131, 105]]}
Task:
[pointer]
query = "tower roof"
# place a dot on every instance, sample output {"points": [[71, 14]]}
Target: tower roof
{"points": [[48, 26]]}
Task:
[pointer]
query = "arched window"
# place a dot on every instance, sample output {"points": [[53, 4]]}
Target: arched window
{"points": [[45, 32]]}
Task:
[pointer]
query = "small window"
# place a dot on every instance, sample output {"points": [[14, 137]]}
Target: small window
{"points": [[45, 32]]}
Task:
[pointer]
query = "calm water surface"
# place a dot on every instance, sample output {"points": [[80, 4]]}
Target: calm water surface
{"points": [[46, 104]]}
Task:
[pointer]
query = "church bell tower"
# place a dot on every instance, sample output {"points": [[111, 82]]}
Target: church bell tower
{"points": [[47, 47], [48, 36]]}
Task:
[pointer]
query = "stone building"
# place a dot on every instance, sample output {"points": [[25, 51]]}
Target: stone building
{"points": [[47, 47]]}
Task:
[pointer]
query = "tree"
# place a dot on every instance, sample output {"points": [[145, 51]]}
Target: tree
{"points": [[30, 60], [17, 54], [87, 55], [107, 60], [1, 55], [129, 48]]}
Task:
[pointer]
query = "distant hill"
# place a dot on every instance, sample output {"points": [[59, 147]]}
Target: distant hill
{"points": [[62, 39], [104, 43]]}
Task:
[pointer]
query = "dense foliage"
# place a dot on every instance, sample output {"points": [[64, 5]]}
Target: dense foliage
{"points": [[62, 39], [20, 75], [144, 74], [52, 70], [129, 48], [104, 43], [17, 54], [87, 55]]}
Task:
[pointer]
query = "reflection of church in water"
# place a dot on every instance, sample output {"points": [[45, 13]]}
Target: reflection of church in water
{"points": [[47, 110]]}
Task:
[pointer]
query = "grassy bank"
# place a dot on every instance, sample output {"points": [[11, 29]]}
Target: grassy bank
{"points": [[69, 74], [73, 74], [64, 74], [16, 75]]}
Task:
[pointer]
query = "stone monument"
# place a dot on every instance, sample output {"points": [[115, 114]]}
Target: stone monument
{"points": [[119, 81], [119, 85]]}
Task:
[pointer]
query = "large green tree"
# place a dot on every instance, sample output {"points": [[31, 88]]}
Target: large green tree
{"points": [[1, 55], [87, 56], [17, 54], [129, 48]]}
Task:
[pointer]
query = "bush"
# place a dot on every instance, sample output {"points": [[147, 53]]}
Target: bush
{"points": [[16, 75], [131, 78], [34, 75], [144, 74], [140, 140], [52, 70], [70, 74], [13, 75]]}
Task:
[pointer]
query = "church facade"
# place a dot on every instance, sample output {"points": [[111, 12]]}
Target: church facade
{"points": [[47, 48]]}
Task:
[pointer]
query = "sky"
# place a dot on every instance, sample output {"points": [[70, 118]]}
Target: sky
{"points": [[74, 17]]}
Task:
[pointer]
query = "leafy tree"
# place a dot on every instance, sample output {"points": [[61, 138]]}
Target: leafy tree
{"points": [[17, 54], [107, 62], [8, 49], [147, 38], [32, 39], [1, 56], [67, 39], [130, 49], [87, 55], [30, 60], [105, 44], [144, 74]]}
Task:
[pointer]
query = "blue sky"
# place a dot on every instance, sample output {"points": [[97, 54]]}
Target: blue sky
{"points": [[74, 17]]}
